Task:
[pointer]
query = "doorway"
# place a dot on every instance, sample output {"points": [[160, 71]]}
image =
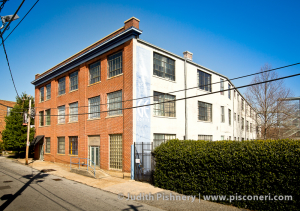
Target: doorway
{"points": [[41, 149], [94, 155]]}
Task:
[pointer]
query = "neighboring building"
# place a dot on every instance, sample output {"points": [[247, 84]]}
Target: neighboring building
{"points": [[79, 101], [5, 107]]}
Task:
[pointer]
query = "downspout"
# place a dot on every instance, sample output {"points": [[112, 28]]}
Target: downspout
{"points": [[185, 102], [234, 116]]}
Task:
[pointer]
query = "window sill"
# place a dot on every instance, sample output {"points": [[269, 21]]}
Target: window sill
{"points": [[60, 154], [61, 95], [204, 121], [98, 82], [47, 153], [47, 125], [72, 122], [41, 126], [61, 123], [114, 76], [73, 155], [42, 101], [113, 116], [73, 91], [93, 119], [163, 78], [47, 100], [203, 90], [167, 117]]}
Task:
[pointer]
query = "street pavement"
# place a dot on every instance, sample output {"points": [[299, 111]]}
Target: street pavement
{"points": [[24, 188], [61, 189]]}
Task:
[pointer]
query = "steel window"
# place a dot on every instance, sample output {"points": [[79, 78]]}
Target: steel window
{"points": [[165, 108], [48, 91], [114, 104], [229, 116], [163, 66], [243, 123], [247, 126], [229, 91], [73, 145], [222, 86], [61, 115], [204, 80], [205, 137], [61, 86], [94, 107], [61, 145], [115, 64], [41, 118], [42, 94], [95, 72], [47, 150], [162, 138], [74, 81], [205, 111], [73, 116], [48, 117], [222, 114], [242, 104], [115, 151]]}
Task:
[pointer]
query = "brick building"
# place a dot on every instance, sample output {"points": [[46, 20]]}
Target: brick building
{"points": [[83, 104], [5, 107]]}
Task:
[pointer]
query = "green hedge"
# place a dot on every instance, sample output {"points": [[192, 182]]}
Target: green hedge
{"points": [[232, 167]]}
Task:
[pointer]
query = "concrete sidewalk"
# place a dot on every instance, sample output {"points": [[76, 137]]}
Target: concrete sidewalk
{"points": [[112, 181]]}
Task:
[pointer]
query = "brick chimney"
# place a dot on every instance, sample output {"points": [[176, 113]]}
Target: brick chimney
{"points": [[37, 76], [131, 22], [188, 55]]}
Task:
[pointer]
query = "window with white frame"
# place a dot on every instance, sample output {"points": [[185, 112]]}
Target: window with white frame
{"points": [[229, 91], [115, 64], [62, 86], [222, 114], [114, 103], [48, 117], [204, 80], [48, 91], [73, 145], [162, 138], [61, 145], [250, 127], [166, 107], [242, 104], [41, 118], [247, 126], [205, 137], [42, 94], [73, 115], [238, 118], [115, 151], [74, 81], [234, 116], [8, 111], [222, 138], [47, 150], [204, 111], [222, 86], [243, 123], [229, 116], [61, 115], [163, 66], [94, 107], [95, 72]]}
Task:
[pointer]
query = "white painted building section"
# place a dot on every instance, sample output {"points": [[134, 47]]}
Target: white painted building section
{"points": [[164, 125]]}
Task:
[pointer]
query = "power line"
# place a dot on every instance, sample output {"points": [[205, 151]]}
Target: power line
{"points": [[6, 27], [20, 22], [197, 86], [2, 5], [9, 66], [254, 84]]}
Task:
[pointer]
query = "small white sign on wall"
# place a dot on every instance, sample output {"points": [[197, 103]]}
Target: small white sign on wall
{"points": [[137, 161]]}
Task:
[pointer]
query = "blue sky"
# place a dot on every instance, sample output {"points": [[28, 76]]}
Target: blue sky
{"points": [[233, 38]]}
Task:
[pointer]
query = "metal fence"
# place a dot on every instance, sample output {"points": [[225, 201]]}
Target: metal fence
{"points": [[144, 161]]}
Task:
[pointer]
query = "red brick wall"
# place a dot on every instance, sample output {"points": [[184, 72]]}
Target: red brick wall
{"points": [[83, 128], [3, 112]]}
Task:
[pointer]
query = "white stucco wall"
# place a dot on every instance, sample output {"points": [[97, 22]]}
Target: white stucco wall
{"points": [[176, 125]]}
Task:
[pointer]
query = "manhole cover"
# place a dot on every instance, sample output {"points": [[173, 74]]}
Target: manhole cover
{"points": [[7, 181], [5, 187], [57, 179], [47, 170]]}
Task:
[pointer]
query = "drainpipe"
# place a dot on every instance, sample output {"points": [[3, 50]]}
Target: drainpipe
{"points": [[185, 102]]}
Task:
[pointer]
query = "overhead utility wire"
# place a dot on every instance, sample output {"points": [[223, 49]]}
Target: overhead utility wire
{"points": [[276, 79], [198, 86], [20, 22], [6, 27], [2, 5], [12, 78]]}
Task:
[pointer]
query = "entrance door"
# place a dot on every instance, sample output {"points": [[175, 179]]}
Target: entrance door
{"points": [[94, 155], [41, 146]]}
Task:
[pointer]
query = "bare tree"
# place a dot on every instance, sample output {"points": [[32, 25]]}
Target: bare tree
{"points": [[266, 98]]}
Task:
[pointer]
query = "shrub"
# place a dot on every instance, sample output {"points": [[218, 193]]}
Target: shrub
{"points": [[260, 167]]}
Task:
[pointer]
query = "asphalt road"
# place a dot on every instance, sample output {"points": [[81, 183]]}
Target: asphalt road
{"points": [[24, 188]]}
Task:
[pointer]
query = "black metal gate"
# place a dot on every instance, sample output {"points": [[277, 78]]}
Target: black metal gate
{"points": [[143, 162]]}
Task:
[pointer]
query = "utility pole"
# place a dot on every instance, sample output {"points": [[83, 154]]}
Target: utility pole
{"points": [[28, 130]]}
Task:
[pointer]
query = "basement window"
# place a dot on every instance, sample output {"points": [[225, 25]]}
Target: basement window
{"points": [[162, 138]]}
